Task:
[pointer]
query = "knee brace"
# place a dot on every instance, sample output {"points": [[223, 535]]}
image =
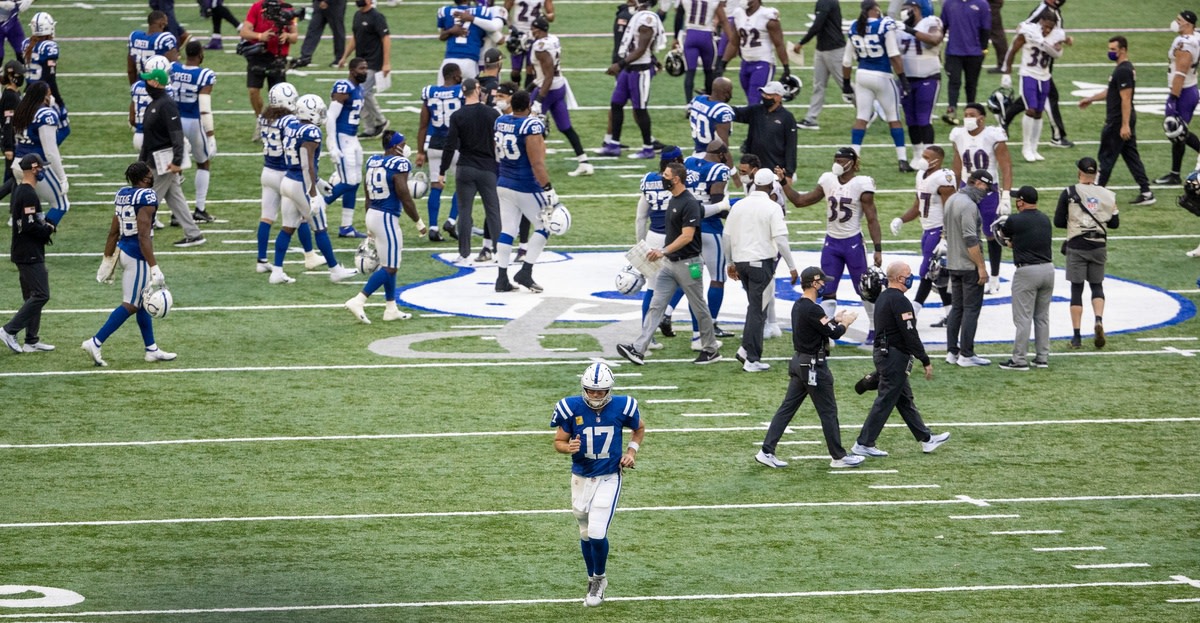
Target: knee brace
{"points": [[1097, 290], [1077, 294]]}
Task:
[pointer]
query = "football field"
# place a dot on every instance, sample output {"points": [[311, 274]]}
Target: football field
{"points": [[293, 465]]}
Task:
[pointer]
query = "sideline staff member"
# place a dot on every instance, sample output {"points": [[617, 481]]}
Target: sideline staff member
{"points": [[897, 343], [1033, 284], [270, 64], [30, 234], [472, 137], [808, 372], [1086, 247]]}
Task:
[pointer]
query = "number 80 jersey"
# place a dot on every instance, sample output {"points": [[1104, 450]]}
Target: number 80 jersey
{"points": [[844, 204], [516, 172]]}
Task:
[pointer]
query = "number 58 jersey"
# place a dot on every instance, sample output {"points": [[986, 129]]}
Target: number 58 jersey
{"points": [[844, 203], [599, 433]]}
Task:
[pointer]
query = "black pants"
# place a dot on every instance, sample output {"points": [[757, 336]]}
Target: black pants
{"points": [[335, 15], [999, 37], [468, 181], [35, 290], [1112, 146], [894, 393], [755, 281], [823, 399], [956, 66]]}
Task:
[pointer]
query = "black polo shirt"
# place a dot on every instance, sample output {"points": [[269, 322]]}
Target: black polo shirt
{"points": [[369, 30], [1122, 77], [896, 323], [472, 134], [812, 329], [1030, 232], [684, 211]]}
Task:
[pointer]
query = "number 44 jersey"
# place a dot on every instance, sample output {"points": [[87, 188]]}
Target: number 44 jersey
{"points": [[844, 203]]}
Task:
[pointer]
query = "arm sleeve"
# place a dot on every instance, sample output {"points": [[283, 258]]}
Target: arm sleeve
{"points": [[830, 329], [175, 130], [487, 24], [781, 244], [890, 44], [820, 15], [1114, 222], [48, 135], [848, 57], [331, 116], [1060, 212], [678, 22], [789, 149], [641, 223]]}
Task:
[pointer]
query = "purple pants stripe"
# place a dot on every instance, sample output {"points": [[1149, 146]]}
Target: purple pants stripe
{"points": [[922, 95], [755, 75]]}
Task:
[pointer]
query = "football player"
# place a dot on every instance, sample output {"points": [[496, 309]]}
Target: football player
{"points": [[439, 102], [935, 184], [1183, 95], [36, 128], [521, 14], [850, 197], [980, 146], [706, 179], [1040, 43], [301, 199], [711, 116], [193, 92], [551, 91], [643, 35], [589, 428], [278, 116], [651, 225], [463, 27], [341, 126], [41, 65], [154, 41], [524, 188], [873, 45], [759, 40], [10, 25], [387, 194], [131, 234], [920, 52], [702, 19]]}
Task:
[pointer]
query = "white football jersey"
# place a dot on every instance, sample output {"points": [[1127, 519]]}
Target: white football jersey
{"points": [[754, 41], [979, 151], [523, 12], [698, 14], [550, 45], [921, 60], [1038, 51], [1189, 43], [845, 203], [629, 41], [929, 201]]}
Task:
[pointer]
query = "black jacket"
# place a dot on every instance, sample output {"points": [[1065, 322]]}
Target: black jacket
{"points": [[30, 231]]}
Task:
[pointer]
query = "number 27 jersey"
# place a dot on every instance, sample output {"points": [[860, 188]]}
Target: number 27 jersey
{"points": [[844, 204]]}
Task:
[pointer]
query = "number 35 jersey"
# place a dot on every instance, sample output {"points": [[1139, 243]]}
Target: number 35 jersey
{"points": [[978, 151], [599, 433], [843, 204]]}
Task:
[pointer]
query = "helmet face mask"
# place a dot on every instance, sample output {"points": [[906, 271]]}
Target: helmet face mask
{"points": [[871, 284], [42, 25], [283, 95], [1175, 128], [1000, 102], [597, 377], [791, 87], [674, 63]]}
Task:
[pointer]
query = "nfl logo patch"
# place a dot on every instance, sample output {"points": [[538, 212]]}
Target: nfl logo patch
{"points": [[1093, 204], [579, 420]]}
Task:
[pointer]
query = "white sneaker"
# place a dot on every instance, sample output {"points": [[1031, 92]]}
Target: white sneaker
{"points": [[357, 306], [771, 330], [850, 460], [934, 442], [154, 353], [951, 358], [769, 460], [596, 586], [741, 354], [262, 267], [654, 345], [10, 341], [93, 349], [697, 344], [278, 277], [313, 260], [40, 347], [755, 366], [867, 451], [341, 273], [971, 362], [392, 313], [1194, 252], [584, 168]]}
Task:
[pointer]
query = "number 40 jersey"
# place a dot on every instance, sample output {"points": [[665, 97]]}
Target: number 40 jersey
{"points": [[845, 204]]}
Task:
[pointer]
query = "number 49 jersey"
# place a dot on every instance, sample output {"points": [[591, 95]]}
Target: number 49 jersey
{"points": [[979, 151], [600, 439], [845, 204], [380, 170], [929, 201]]}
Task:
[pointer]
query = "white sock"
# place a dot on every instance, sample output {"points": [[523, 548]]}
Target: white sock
{"points": [[830, 306], [857, 149], [1027, 142], [1037, 133], [901, 153], [202, 176], [869, 308], [347, 217], [918, 150], [537, 242], [608, 138], [503, 254]]}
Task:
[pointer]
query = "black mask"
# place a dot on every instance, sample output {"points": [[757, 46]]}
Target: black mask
{"points": [[360, 78], [361, 3], [668, 184]]}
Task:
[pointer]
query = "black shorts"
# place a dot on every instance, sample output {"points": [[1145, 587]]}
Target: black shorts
{"points": [[267, 68]]}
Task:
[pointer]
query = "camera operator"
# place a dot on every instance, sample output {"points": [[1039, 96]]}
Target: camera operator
{"points": [[269, 29]]}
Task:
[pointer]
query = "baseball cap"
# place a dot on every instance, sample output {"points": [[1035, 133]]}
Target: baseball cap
{"points": [[764, 177], [505, 89], [773, 87], [31, 159], [541, 23], [812, 273], [157, 75], [1188, 16], [1028, 194], [1087, 165], [982, 175], [493, 55]]}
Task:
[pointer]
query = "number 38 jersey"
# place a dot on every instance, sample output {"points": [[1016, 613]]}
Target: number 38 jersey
{"points": [[929, 201], [1039, 50], [129, 201], [844, 203], [516, 172], [441, 102], [978, 151], [600, 445], [380, 170]]}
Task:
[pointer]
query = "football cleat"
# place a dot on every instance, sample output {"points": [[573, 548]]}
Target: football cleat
{"points": [[391, 313], [341, 273], [92, 348], [524, 277], [40, 347], [262, 266], [357, 306], [313, 260], [584, 168], [278, 277], [154, 353]]}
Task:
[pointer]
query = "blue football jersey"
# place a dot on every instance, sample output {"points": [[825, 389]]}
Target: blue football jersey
{"points": [[294, 136], [871, 46], [43, 59], [128, 203], [704, 115], [186, 83], [347, 121], [701, 175], [600, 445], [658, 198], [274, 145], [143, 45], [30, 141], [515, 170], [470, 46], [380, 170], [441, 102], [141, 99]]}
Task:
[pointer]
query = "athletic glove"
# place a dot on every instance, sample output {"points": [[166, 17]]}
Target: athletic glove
{"points": [[903, 84], [1006, 81], [720, 68], [421, 228], [108, 266], [211, 144], [847, 92], [157, 279], [535, 109], [324, 188], [787, 71], [896, 225], [1005, 207], [940, 249], [547, 198]]}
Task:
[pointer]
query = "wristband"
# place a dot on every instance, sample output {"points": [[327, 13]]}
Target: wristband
{"points": [[633, 445], [548, 187], [879, 248]]}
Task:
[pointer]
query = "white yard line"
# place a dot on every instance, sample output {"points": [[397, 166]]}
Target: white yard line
{"points": [[714, 414], [676, 400], [1024, 532], [904, 486], [1113, 565], [864, 471], [1085, 548], [983, 516]]}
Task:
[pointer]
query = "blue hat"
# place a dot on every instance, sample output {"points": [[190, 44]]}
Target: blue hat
{"points": [[397, 138], [670, 152]]}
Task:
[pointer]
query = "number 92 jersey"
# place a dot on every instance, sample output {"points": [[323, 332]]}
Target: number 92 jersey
{"points": [[127, 204], [516, 172], [845, 204], [600, 445], [380, 170], [979, 151]]}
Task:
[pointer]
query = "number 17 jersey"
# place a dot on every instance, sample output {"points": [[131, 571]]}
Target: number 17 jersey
{"points": [[844, 204], [599, 432]]}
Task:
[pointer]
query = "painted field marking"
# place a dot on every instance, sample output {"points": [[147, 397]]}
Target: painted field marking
{"points": [[627, 373], [904, 486], [1024, 532], [1185, 353], [864, 471], [1084, 548], [984, 516], [563, 349], [650, 387], [714, 414], [1184, 601], [676, 400], [798, 442], [1169, 339], [819, 457], [1113, 565], [970, 500], [477, 326]]}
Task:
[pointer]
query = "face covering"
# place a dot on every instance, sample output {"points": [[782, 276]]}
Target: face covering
{"points": [[668, 184], [971, 123], [838, 169], [361, 3], [821, 290], [908, 281], [1174, 26], [745, 180], [974, 192], [503, 105], [921, 164], [406, 151], [1112, 56], [905, 15]]}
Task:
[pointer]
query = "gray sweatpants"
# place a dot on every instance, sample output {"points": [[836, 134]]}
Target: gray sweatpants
{"points": [[826, 65], [1032, 287], [676, 274], [169, 188], [371, 116]]}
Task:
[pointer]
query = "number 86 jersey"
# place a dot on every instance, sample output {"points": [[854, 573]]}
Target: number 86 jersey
{"points": [[843, 203]]}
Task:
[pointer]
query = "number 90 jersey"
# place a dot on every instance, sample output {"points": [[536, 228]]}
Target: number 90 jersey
{"points": [[128, 203], [929, 201], [516, 172], [380, 170], [979, 151], [600, 445], [844, 202]]}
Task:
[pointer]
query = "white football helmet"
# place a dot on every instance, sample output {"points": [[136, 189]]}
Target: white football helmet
{"points": [[558, 221], [157, 303], [629, 280], [283, 95], [1175, 128], [366, 259], [311, 109], [157, 62], [42, 25], [597, 376], [418, 185]]}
